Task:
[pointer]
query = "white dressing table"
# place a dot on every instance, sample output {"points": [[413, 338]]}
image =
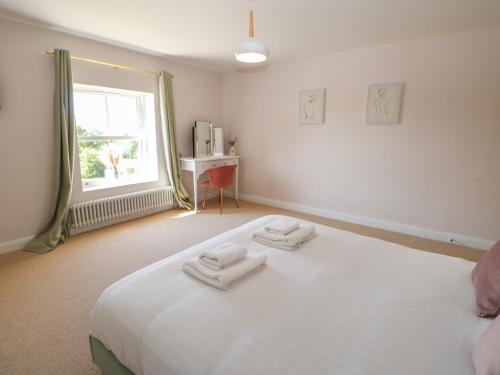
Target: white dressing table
{"points": [[199, 165]]}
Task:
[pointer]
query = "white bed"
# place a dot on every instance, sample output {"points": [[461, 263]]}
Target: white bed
{"points": [[341, 304]]}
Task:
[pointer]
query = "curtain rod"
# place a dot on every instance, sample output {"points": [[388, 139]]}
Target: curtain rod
{"points": [[107, 63]]}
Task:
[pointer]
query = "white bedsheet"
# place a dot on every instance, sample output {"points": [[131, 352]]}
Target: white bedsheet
{"points": [[341, 304]]}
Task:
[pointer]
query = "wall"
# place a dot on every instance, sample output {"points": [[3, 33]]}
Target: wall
{"points": [[436, 175], [26, 127]]}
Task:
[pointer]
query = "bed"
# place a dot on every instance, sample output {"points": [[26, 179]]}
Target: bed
{"points": [[343, 303]]}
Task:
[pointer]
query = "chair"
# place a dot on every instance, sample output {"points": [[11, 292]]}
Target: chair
{"points": [[220, 178]]}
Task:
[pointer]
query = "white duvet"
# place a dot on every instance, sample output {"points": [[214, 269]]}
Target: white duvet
{"points": [[341, 304]]}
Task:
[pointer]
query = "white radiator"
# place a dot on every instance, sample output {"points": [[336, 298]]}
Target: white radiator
{"points": [[105, 209]]}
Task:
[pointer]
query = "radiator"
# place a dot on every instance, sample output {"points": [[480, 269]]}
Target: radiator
{"points": [[119, 206]]}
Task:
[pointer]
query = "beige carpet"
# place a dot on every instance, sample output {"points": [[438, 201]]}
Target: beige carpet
{"points": [[45, 300]]}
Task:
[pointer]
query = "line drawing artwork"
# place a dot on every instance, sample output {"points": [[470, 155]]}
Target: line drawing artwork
{"points": [[312, 107], [384, 103]]}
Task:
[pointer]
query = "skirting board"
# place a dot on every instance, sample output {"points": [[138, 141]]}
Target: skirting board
{"points": [[476, 243], [7, 247]]}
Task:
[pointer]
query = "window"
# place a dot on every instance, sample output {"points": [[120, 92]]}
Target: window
{"points": [[116, 136]]}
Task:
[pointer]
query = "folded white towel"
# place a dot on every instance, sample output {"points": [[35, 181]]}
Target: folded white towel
{"points": [[280, 245], [282, 226], [297, 236], [222, 256], [225, 278], [290, 241]]}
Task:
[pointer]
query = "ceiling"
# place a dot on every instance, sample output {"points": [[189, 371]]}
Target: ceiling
{"points": [[208, 31]]}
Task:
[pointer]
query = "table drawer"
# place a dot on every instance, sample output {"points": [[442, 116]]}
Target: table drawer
{"points": [[203, 166]]}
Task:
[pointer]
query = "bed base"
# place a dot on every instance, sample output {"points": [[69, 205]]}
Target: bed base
{"points": [[106, 360]]}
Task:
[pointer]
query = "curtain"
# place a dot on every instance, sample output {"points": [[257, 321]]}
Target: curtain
{"points": [[170, 148], [64, 131]]}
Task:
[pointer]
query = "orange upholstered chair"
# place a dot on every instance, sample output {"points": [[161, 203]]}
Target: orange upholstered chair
{"points": [[220, 178]]}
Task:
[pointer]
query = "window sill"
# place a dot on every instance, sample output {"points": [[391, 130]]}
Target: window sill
{"points": [[118, 185]]}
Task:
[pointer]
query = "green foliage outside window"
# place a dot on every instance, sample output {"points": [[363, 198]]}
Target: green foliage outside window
{"points": [[90, 164], [131, 151], [95, 145]]}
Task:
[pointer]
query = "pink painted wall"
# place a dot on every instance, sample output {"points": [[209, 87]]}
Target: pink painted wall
{"points": [[439, 169], [26, 128]]}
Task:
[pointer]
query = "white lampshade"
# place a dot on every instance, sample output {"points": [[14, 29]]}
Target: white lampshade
{"points": [[251, 51]]}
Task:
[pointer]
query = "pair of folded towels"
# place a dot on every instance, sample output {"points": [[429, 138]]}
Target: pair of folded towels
{"points": [[224, 265], [284, 234]]}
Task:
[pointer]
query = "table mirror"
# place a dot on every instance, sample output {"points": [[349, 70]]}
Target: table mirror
{"points": [[218, 141], [202, 139]]}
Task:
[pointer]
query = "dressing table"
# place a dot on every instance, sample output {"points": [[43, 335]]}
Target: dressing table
{"points": [[201, 164]]}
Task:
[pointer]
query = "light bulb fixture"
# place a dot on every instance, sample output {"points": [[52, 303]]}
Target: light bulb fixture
{"points": [[251, 51]]}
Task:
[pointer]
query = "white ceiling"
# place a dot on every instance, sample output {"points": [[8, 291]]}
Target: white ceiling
{"points": [[207, 31]]}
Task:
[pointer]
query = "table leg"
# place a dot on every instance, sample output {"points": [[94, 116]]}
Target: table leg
{"points": [[236, 180], [195, 190]]}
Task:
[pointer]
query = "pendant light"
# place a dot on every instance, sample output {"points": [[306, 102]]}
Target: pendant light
{"points": [[251, 51]]}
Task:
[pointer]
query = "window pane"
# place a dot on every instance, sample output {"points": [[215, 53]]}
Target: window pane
{"points": [[111, 163], [123, 119], [92, 165], [90, 112]]}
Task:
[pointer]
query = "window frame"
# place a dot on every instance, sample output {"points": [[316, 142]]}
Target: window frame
{"points": [[146, 135]]}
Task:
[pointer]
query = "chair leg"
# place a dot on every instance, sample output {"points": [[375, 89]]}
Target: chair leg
{"points": [[234, 197], [204, 198], [221, 199]]}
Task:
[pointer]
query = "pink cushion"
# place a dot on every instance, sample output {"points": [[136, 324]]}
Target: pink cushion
{"points": [[221, 177], [486, 280], [486, 352]]}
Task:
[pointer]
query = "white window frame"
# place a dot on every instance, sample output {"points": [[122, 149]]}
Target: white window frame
{"points": [[147, 128]]}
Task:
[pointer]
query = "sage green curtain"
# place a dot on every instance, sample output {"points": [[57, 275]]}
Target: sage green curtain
{"points": [[64, 131], [170, 148]]}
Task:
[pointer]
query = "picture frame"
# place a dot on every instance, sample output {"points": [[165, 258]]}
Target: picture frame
{"points": [[312, 107], [383, 105]]}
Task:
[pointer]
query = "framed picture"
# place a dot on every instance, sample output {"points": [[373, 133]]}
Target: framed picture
{"points": [[384, 103], [312, 107]]}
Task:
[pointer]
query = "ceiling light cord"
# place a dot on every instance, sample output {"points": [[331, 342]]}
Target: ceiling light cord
{"points": [[250, 26]]}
